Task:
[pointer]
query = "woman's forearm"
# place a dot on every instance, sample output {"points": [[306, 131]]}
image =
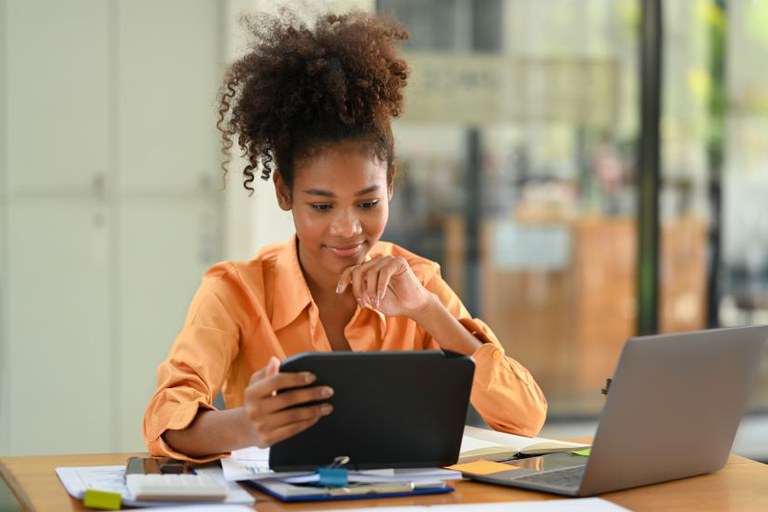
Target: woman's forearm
{"points": [[210, 433], [445, 328]]}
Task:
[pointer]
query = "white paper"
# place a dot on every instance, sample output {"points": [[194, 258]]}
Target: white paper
{"points": [[205, 508], [376, 476], [77, 480], [566, 505], [253, 464], [475, 437]]}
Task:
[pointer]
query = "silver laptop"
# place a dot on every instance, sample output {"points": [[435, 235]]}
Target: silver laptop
{"points": [[672, 411]]}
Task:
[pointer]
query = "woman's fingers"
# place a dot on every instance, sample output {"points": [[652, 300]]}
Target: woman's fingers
{"points": [[365, 279], [354, 274], [358, 286], [371, 281], [270, 369], [289, 430], [273, 403], [296, 397], [269, 395], [292, 421], [385, 276]]}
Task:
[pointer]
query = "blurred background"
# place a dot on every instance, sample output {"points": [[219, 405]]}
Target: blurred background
{"points": [[519, 172]]}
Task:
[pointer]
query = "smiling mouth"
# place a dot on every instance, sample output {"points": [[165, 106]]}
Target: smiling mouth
{"points": [[346, 251]]}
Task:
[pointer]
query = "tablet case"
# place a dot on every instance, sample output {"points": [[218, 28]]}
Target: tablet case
{"points": [[391, 410]]}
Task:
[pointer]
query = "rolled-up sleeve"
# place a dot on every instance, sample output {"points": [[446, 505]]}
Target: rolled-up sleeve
{"points": [[504, 392], [192, 376]]}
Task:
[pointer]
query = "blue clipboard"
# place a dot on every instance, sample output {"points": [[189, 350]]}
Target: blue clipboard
{"points": [[297, 493]]}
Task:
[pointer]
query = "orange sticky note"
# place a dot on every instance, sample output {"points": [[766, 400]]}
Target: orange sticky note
{"points": [[482, 467]]}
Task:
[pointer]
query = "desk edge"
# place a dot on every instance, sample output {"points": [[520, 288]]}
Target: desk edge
{"points": [[13, 485]]}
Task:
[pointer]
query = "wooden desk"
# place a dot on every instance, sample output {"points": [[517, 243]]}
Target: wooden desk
{"points": [[741, 485]]}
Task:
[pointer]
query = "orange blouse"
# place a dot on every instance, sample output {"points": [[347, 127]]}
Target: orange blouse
{"points": [[246, 312]]}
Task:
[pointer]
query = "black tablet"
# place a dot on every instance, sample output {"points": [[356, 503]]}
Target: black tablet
{"points": [[390, 410]]}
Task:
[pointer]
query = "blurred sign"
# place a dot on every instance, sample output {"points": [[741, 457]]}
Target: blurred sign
{"points": [[518, 247], [484, 88]]}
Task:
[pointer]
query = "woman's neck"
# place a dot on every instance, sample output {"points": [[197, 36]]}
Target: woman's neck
{"points": [[320, 284]]}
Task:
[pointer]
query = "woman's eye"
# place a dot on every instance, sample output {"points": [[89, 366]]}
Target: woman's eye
{"points": [[369, 204], [321, 207]]}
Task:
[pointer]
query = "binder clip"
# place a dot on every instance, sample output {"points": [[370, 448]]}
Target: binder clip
{"points": [[334, 475]]}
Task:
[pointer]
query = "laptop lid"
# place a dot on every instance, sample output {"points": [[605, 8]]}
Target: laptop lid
{"points": [[672, 411], [390, 410], [673, 407]]}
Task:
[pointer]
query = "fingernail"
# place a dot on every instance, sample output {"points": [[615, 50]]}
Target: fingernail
{"points": [[380, 297], [309, 378], [326, 392], [326, 409], [339, 287], [360, 303]]}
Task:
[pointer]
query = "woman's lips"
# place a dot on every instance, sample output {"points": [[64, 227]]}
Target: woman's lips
{"points": [[346, 251]]}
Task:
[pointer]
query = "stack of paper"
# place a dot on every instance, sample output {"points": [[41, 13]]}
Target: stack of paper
{"points": [[567, 505], [252, 465]]}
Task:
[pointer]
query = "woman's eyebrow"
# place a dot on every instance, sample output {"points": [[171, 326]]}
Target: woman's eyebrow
{"points": [[327, 193]]}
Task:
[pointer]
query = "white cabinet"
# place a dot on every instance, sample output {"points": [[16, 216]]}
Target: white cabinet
{"points": [[170, 67], [59, 321], [165, 248], [110, 209], [168, 176], [5, 395], [57, 94]]}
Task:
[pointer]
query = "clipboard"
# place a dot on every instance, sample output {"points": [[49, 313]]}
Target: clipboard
{"points": [[297, 493], [391, 409]]}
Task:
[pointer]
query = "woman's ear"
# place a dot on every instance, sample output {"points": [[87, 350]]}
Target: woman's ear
{"points": [[282, 191]]}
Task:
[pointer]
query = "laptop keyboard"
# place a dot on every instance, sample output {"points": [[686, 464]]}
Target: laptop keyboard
{"points": [[569, 477]]}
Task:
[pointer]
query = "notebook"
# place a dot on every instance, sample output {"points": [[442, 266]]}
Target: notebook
{"points": [[391, 409], [672, 411]]}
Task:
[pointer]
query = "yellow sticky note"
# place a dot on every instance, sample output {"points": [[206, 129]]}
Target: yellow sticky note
{"points": [[585, 451], [102, 500], [482, 467]]}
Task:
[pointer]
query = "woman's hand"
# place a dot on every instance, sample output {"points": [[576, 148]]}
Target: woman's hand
{"points": [[269, 414], [388, 284]]}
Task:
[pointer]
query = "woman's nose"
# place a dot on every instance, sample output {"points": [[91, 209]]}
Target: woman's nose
{"points": [[345, 224]]}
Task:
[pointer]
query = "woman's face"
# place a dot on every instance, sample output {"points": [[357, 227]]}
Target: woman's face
{"points": [[340, 205]]}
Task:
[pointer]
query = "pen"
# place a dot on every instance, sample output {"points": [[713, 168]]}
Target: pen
{"points": [[377, 488]]}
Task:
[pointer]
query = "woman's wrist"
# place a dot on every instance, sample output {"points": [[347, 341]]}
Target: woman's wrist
{"points": [[244, 436], [444, 327], [428, 312]]}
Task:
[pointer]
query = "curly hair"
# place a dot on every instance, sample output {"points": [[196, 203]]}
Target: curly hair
{"points": [[300, 88]]}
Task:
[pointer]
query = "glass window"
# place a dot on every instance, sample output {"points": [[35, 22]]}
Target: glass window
{"points": [[517, 173], [516, 155], [743, 275]]}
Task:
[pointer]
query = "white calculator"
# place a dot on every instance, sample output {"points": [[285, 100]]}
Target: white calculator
{"points": [[153, 478]]}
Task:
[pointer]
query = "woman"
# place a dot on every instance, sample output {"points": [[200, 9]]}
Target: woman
{"points": [[311, 108]]}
